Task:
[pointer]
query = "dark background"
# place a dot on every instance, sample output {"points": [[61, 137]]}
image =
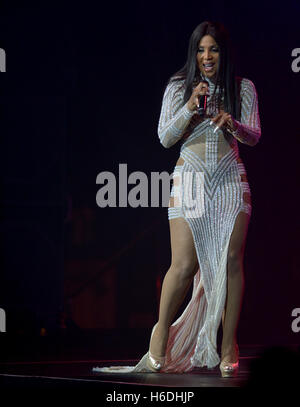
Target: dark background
{"points": [[81, 95]]}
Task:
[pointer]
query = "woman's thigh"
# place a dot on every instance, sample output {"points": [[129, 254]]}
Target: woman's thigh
{"points": [[184, 255]]}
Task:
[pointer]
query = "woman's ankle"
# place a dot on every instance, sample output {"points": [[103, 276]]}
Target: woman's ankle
{"points": [[159, 341], [230, 349]]}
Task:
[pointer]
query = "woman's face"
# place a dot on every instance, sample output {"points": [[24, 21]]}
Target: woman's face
{"points": [[208, 56]]}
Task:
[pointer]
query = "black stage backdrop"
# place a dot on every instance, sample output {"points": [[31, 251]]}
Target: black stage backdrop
{"points": [[81, 95]]}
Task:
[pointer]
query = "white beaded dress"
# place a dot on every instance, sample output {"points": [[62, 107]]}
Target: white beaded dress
{"points": [[211, 191]]}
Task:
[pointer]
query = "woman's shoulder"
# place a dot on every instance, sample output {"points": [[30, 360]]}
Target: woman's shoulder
{"points": [[246, 85], [176, 83]]}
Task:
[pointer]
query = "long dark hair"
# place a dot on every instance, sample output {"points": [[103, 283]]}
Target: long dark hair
{"points": [[228, 83]]}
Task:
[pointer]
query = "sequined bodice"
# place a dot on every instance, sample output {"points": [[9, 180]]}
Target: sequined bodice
{"points": [[177, 122]]}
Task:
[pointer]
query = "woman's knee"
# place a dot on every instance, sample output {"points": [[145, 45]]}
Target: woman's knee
{"points": [[184, 270], [235, 261]]}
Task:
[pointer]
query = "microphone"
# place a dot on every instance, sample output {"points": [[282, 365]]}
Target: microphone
{"points": [[202, 102]]}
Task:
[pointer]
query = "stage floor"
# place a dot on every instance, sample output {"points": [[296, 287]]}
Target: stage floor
{"points": [[37, 368], [42, 381], [80, 372]]}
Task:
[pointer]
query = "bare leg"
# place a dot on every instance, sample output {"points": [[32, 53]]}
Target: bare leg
{"points": [[176, 283], [235, 287]]}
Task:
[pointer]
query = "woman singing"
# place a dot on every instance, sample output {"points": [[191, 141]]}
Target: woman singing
{"points": [[209, 209]]}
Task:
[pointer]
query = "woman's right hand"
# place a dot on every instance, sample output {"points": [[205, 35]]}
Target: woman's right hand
{"points": [[201, 89]]}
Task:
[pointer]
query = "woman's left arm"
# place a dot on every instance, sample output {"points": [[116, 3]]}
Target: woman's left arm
{"points": [[247, 131]]}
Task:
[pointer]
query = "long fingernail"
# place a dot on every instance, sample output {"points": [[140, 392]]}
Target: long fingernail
{"points": [[216, 129], [211, 122]]}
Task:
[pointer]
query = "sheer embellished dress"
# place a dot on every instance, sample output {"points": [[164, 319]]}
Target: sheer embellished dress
{"points": [[210, 188]]}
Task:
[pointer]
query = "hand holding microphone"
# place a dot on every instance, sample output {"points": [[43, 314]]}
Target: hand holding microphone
{"points": [[198, 98]]}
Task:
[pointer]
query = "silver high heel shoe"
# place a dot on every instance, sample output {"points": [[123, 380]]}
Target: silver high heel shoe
{"points": [[229, 369], [154, 363]]}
